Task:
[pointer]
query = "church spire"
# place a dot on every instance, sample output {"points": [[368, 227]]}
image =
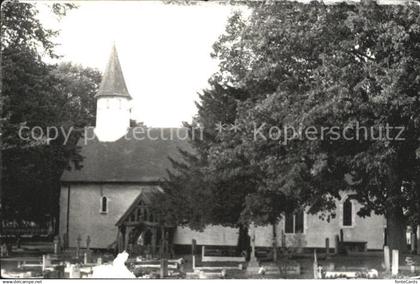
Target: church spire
{"points": [[113, 83]]}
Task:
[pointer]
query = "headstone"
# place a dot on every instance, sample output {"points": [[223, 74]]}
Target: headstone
{"points": [[395, 259], [315, 265], [3, 249], [418, 239], [327, 248], [74, 271], [410, 262], [223, 273], [78, 240], [163, 268], [99, 261], [253, 266], [337, 244], [56, 244], [291, 269], [88, 248], [67, 269], [387, 258], [181, 267], [46, 261]]}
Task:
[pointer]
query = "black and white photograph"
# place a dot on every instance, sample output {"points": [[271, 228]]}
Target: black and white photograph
{"points": [[187, 139]]}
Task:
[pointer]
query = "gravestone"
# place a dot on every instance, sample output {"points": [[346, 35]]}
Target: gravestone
{"points": [[395, 260], [4, 251], [271, 268], [193, 248], [337, 244], [253, 266], [99, 260], [46, 261], [56, 244], [387, 261], [78, 240], [410, 262], [327, 248], [163, 268], [290, 269], [74, 271], [87, 254], [418, 239], [315, 265]]}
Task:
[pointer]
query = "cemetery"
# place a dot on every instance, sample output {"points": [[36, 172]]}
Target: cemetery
{"points": [[52, 260], [113, 194]]}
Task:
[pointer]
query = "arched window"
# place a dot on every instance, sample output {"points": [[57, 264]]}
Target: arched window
{"points": [[347, 213], [104, 204], [294, 223]]}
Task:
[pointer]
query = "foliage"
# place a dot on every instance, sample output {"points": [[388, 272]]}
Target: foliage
{"points": [[37, 94], [330, 66], [320, 66]]}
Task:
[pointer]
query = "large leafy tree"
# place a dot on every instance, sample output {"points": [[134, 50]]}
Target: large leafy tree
{"points": [[193, 195], [329, 66], [37, 94], [326, 67]]}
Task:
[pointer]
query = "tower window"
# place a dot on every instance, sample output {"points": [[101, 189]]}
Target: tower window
{"points": [[347, 213], [104, 205], [294, 223]]}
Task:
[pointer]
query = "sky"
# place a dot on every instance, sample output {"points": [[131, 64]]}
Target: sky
{"points": [[164, 50]]}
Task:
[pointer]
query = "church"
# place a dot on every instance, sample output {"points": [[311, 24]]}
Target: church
{"points": [[107, 198]]}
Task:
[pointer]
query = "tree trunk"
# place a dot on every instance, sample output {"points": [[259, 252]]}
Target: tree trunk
{"points": [[274, 242], [162, 242], [396, 230], [244, 244]]}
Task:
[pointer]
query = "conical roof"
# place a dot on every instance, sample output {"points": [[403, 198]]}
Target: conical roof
{"points": [[113, 83]]}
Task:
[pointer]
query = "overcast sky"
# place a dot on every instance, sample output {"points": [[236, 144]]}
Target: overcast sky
{"points": [[164, 50]]}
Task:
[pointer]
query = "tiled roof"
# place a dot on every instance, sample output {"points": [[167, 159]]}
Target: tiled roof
{"points": [[129, 159]]}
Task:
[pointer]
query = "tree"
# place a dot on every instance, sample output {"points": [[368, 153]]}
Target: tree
{"points": [[193, 196], [328, 66], [36, 94]]}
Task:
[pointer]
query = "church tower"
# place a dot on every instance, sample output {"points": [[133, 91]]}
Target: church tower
{"points": [[112, 102]]}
